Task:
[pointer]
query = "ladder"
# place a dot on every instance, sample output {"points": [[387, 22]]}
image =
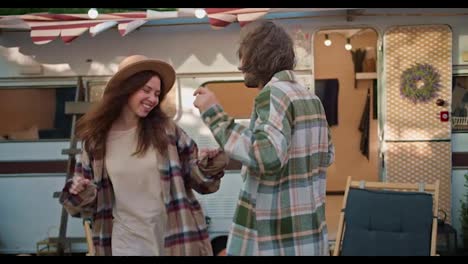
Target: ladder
{"points": [[74, 108]]}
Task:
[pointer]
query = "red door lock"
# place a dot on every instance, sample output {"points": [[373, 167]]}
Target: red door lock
{"points": [[444, 116]]}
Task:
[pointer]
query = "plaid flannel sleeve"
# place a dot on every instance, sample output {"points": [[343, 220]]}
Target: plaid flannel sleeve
{"points": [[262, 149], [331, 149], [202, 179], [82, 204]]}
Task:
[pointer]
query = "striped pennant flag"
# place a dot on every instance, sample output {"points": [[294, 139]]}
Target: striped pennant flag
{"points": [[221, 17], [13, 22], [47, 27]]}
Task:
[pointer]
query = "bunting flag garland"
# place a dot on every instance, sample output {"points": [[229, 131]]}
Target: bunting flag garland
{"points": [[221, 17], [47, 27]]}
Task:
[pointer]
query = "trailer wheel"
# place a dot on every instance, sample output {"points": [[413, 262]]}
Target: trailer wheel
{"points": [[219, 245]]}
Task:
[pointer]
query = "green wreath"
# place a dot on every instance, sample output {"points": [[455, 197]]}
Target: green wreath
{"points": [[420, 83]]}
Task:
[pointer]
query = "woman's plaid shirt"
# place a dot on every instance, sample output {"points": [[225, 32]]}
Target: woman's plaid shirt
{"points": [[186, 234]]}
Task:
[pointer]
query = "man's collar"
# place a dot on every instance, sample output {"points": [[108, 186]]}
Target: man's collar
{"points": [[286, 75]]}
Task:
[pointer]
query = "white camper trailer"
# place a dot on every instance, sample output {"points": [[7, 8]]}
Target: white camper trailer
{"points": [[406, 141]]}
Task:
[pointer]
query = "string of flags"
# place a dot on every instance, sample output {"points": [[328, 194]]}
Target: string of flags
{"points": [[47, 27]]}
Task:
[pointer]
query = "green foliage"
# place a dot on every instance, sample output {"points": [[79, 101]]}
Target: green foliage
{"points": [[23, 11], [464, 214], [424, 74]]}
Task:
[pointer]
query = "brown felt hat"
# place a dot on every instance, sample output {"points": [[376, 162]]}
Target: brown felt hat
{"points": [[138, 63]]}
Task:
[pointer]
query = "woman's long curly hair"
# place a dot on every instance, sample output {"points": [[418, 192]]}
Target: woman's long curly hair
{"points": [[94, 126], [265, 49]]}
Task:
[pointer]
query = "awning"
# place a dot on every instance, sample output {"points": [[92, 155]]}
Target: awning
{"points": [[47, 27]]}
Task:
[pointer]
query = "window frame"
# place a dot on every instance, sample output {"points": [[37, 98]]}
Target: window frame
{"points": [[38, 83], [455, 74]]}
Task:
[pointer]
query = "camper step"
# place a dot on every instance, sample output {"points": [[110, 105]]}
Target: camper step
{"points": [[72, 151]]}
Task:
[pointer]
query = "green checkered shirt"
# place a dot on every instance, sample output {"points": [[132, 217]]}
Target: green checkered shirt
{"points": [[285, 153]]}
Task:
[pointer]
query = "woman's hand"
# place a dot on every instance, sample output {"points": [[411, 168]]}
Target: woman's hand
{"points": [[210, 153], [213, 161], [79, 184]]}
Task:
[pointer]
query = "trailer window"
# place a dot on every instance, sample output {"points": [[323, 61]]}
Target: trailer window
{"points": [[460, 103], [29, 114], [236, 99]]}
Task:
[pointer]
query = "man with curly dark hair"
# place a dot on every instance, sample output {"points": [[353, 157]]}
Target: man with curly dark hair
{"points": [[285, 151]]}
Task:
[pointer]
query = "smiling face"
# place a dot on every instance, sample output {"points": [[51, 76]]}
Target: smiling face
{"points": [[145, 99]]}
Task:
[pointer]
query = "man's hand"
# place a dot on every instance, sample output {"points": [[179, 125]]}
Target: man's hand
{"points": [[204, 99]]}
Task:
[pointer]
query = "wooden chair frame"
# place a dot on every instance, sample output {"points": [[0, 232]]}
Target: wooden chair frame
{"points": [[433, 188], [89, 237]]}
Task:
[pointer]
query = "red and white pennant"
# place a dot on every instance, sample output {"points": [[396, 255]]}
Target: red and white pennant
{"points": [[221, 17], [47, 27]]}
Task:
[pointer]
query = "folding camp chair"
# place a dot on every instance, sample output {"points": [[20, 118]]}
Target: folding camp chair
{"points": [[388, 219]]}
